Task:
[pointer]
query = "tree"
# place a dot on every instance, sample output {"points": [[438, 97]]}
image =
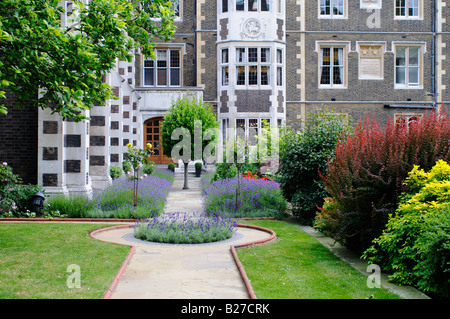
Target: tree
{"points": [[304, 156], [195, 122], [66, 60], [137, 157]]}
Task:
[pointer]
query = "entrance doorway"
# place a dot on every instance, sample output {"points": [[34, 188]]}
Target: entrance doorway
{"points": [[153, 135]]}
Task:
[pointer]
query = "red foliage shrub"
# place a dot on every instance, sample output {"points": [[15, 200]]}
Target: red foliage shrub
{"points": [[366, 176]]}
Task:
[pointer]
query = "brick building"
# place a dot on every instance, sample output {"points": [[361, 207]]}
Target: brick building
{"points": [[252, 60]]}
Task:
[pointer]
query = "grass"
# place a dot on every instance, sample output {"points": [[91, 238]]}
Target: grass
{"points": [[297, 266], [34, 258]]}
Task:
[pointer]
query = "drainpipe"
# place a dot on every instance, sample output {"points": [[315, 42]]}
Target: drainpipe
{"points": [[195, 42], [435, 63]]}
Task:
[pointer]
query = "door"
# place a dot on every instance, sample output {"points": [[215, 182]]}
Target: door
{"points": [[152, 129]]}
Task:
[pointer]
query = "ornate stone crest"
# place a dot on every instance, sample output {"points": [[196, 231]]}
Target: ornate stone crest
{"points": [[252, 28]]}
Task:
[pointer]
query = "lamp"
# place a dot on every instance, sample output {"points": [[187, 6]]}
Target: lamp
{"points": [[37, 200]]}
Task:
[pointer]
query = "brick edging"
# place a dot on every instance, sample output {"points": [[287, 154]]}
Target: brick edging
{"points": [[124, 265], [41, 219], [241, 269]]}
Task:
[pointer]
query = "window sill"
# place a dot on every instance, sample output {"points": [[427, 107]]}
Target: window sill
{"points": [[333, 18], [334, 87], [402, 87], [408, 18]]}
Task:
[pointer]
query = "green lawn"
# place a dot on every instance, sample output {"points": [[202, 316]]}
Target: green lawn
{"points": [[296, 265], [34, 258]]}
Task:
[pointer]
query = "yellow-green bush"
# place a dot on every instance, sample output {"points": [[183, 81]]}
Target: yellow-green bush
{"points": [[415, 246]]}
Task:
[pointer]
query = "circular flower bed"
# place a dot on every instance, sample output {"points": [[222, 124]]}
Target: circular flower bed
{"points": [[185, 228]]}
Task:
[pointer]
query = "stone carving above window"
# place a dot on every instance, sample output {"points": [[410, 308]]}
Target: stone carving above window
{"points": [[253, 29]]}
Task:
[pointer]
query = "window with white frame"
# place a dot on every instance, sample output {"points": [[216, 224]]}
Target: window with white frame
{"points": [[332, 8], [241, 129], [224, 5], [279, 67], [253, 66], [176, 7], [407, 8], [408, 66], [278, 5], [407, 119], [248, 129], [225, 67], [165, 70], [252, 5], [332, 66]]}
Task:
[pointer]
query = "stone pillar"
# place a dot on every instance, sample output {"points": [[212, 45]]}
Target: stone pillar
{"points": [[76, 156], [99, 141], [51, 174]]}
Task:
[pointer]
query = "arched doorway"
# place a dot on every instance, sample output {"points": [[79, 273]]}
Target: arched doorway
{"points": [[152, 135]]}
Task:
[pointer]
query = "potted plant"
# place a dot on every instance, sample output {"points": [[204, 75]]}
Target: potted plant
{"points": [[198, 169]]}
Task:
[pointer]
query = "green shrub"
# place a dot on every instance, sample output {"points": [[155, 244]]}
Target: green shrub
{"points": [[126, 167], [224, 170], [227, 170], [303, 157], [171, 167], [72, 207], [115, 172], [164, 173], [415, 246], [16, 198], [149, 168], [198, 165]]}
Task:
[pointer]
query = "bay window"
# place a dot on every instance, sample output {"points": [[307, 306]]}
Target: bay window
{"points": [[253, 66]]}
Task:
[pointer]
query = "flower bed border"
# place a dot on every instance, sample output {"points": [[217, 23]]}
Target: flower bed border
{"points": [[42, 219]]}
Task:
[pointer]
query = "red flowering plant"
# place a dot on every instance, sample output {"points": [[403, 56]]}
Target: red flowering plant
{"points": [[249, 175]]}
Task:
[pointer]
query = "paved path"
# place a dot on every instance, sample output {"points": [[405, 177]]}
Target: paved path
{"points": [[166, 271]]}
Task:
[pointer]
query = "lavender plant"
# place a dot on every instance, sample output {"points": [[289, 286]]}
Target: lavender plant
{"points": [[186, 228], [115, 200], [263, 198]]}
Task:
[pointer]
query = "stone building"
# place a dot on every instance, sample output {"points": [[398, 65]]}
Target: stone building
{"points": [[252, 60]]}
